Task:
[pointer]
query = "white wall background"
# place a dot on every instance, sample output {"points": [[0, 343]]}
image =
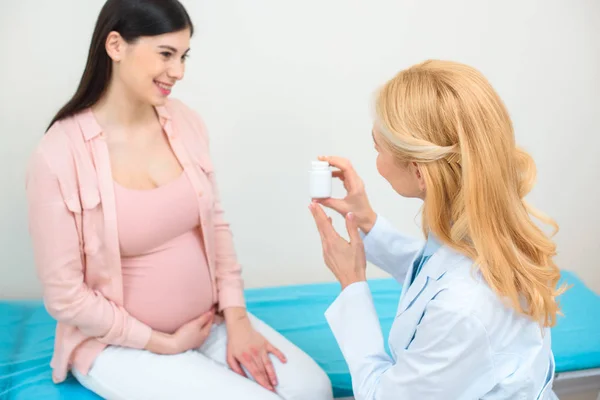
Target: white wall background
{"points": [[279, 82]]}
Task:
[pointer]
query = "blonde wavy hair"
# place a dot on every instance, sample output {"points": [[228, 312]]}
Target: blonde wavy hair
{"points": [[447, 118]]}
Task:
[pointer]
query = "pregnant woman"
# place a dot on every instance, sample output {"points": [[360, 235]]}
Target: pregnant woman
{"points": [[135, 258]]}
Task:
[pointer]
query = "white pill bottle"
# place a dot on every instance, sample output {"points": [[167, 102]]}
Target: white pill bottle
{"points": [[320, 180]]}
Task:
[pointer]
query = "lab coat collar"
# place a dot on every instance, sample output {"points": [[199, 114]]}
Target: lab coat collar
{"points": [[441, 262]]}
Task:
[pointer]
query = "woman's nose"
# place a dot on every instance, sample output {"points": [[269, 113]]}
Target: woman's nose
{"points": [[176, 70]]}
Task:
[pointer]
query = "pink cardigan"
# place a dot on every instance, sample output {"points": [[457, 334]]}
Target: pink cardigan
{"points": [[72, 221]]}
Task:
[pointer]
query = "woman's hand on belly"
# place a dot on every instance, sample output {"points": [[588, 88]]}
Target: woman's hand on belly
{"points": [[190, 336]]}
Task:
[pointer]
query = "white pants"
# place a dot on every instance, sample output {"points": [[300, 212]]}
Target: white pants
{"points": [[120, 373]]}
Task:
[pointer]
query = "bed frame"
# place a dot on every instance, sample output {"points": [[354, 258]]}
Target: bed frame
{"points": [[567, 383], [573, 382]]}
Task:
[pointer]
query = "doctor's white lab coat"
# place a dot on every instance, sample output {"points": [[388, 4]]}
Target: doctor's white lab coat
{"points": [[452, 338]]}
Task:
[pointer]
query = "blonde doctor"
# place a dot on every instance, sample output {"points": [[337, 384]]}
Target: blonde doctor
{"points": [[479, 293]]}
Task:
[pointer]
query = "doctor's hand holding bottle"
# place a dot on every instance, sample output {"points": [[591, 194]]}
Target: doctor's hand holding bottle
{"points": [[345, 259], [355, 201]]}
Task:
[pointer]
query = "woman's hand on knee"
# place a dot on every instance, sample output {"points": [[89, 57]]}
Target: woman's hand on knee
{"points": [[356, 200], [247, 348]]}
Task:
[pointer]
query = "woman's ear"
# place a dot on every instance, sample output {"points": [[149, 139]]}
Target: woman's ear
{"points": [[115, 46]]}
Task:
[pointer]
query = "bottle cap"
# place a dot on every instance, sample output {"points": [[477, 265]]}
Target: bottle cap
{"points": [[320, 165]]}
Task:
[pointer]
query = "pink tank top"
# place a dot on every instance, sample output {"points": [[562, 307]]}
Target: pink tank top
{"points": [[166, 279]]}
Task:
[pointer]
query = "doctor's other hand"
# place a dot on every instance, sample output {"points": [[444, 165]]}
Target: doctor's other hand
{"points": [[345, 259], [356, 200]]}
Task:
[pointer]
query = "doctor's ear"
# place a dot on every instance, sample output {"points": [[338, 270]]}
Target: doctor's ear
{"points": [[419, 176], [115, 46]]}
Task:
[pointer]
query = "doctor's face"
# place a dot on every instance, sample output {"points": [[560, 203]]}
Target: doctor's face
{"points": [[404, 176]]}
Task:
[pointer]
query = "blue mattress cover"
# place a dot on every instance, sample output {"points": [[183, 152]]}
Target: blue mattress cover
{"points": [[27, 333]]}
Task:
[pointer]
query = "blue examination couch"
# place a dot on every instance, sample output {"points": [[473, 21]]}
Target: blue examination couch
{"points": [[27, 332]]}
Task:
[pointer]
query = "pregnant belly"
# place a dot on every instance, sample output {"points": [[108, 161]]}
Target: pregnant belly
{"points": [[169, 286]]}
